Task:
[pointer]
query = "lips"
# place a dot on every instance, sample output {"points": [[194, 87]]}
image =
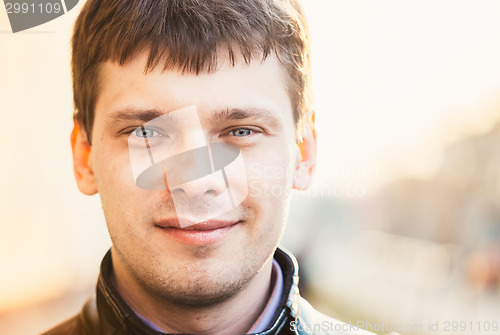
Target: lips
{"points": [[198, 234], [201, 226]]}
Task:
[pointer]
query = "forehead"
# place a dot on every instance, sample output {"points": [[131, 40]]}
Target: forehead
{"points": [[259, 84]]}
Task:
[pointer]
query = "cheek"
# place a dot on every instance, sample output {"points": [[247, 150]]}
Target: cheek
{"points": [[270, 176], [121, 199], [113, 170], [269, 189]]}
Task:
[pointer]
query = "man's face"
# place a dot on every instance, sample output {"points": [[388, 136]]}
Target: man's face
{"points": [[247, 106]]}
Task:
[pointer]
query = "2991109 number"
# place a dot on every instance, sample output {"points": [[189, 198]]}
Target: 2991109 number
{"points": [[31, 8], [475, 327]]}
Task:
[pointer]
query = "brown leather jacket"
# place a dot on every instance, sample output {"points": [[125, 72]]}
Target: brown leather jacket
{"points": [[107, 314]]}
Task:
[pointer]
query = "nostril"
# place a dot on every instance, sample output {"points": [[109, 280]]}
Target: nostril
{"points": [[202, 188], [211, 192]]}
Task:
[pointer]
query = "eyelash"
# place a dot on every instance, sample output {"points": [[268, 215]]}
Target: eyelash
{"points": [[252, 132], [129, 131]]}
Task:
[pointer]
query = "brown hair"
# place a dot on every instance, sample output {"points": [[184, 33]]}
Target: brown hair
{"points": [[189, 35]]}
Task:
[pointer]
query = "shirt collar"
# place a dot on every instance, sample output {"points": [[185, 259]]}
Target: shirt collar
{"points": [[265, 317], [274, 300]]}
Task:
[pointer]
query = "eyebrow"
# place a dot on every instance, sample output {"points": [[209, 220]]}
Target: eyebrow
{"points": [[243, 114], [217, 116], [136, 114]]}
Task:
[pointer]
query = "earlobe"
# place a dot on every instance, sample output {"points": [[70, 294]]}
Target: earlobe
{"points": [[82, 162], [306, 157]]}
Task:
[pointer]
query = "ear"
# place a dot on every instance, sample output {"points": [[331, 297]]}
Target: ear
{"points": [[306, 157], [82, 162]]}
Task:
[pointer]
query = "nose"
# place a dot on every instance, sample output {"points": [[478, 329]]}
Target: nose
{"points": [[192, 175], [204, 189], [199, 191]]}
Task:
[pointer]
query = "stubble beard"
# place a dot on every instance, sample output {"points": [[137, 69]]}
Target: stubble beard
{"points": [[196, 285]]}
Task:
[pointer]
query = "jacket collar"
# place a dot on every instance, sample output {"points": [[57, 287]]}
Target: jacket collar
{"points": [[113, 308]]}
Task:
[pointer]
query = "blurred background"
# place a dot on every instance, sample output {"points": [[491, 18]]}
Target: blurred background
{"points": [[401, 230]]}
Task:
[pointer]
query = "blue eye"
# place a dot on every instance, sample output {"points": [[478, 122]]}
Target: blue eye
{"points": [[145, 132], [241, 132]]}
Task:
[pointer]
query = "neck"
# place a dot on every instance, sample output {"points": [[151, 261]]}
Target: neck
{"points": [[235, 315]]}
